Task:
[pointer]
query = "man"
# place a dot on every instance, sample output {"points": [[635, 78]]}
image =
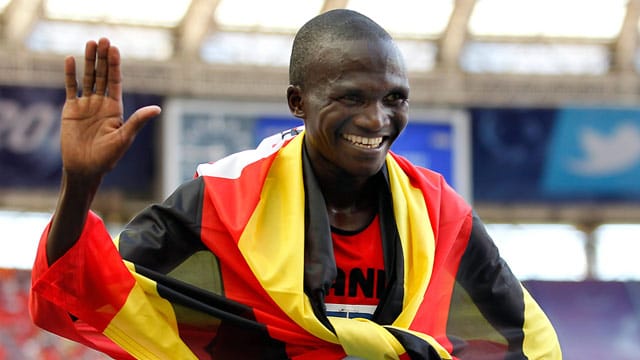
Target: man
{"points": [[319, 244]]}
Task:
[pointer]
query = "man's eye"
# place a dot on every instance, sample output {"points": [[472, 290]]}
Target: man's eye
{"points": [[395, 98], [351, 99]]}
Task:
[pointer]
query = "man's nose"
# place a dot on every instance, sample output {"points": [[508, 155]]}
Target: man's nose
{"points": [[374, 117]]}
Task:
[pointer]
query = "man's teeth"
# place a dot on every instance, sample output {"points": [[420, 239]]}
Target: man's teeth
{"points": [[368, 143]]}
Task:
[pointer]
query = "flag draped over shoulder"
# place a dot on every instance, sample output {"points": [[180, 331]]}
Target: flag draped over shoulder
{"points": [[235, 264]]}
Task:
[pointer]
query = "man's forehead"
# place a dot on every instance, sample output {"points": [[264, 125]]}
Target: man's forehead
{"points": [[359, 50], [358, 74]]}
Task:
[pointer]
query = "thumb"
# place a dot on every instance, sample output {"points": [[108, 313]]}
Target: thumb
{"points": [[140, 117]]}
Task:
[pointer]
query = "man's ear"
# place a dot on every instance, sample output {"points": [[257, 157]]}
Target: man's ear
{"points": [[294, 100]]}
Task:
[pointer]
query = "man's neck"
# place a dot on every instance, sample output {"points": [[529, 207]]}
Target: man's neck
{"points": [[351, 208]]}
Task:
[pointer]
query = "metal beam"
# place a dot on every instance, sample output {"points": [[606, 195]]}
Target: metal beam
{"points": [[333, 4], [624, 50], [585, 215], [194, 27], [119, 208], [455, 34], [19, 18]]}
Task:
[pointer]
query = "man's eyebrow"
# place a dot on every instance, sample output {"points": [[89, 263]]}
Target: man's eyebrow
{"points": [[400, 89]]}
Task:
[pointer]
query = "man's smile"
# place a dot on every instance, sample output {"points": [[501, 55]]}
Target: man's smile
{"points": [[363, 142]]}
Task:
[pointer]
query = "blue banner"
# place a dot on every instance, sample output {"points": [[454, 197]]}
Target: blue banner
{"points": [[30, 142], [556, 155], [30, 137], [594, 153], [430, 145]]}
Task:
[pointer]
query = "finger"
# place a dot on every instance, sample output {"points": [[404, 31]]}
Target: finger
{"points": [[114, 85], [89, 68], [102, 67], [70, 82], [137, 120]]}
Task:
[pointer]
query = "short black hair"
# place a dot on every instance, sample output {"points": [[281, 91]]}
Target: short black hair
{"points": [[331, 26]]}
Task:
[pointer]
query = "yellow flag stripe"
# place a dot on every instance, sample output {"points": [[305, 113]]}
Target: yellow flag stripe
{"points": [[377, 344], [274, 240], [146, 325], [416, 236], [535, 322]]}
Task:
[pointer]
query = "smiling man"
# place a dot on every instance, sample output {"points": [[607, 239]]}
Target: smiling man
{"points": [[318, 244]]}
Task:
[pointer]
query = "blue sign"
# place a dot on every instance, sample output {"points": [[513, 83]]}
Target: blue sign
{"points": [[556, 155], [30, 136], [269, 125], [594, 152], [509, 153], [30, 142], [430, 145]]}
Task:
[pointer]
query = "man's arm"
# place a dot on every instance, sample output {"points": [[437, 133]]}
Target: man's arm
{"points": [[93, 138]]}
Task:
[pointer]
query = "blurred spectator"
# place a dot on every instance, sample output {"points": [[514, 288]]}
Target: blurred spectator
{"points": [[19, 338]]}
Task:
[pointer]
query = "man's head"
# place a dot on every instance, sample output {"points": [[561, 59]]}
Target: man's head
{"points": [[349, 85], [325, 29]]}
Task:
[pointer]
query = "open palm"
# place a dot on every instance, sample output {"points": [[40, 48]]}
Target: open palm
{"points": [[94, 135]]}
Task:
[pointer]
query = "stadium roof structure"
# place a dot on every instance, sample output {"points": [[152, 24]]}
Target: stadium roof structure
{"points": [[460, 52]]}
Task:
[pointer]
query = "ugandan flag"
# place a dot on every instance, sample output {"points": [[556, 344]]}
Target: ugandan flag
{"points": [[235, 265]]}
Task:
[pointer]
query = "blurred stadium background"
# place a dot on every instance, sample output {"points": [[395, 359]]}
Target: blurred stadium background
{"points": [[530, 108]]}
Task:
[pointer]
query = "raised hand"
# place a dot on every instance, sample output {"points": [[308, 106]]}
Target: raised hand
{"points": [[93, 134], [93, 138]]}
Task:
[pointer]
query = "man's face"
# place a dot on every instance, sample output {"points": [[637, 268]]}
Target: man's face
{"points": [[354, 104]]}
